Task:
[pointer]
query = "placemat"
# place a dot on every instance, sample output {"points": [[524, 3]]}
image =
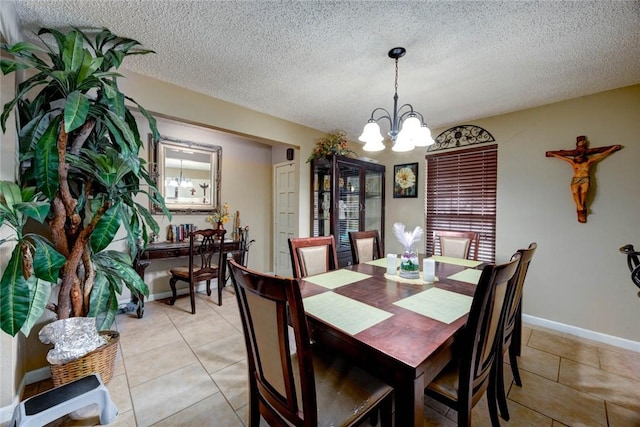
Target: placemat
{"points": [[345, 313], [438, 304], [468, 275], [335, 279], [397, 278], [457, 261], [380, 262]]}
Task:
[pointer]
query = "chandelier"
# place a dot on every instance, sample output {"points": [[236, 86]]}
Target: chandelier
{"points": [[408, 129], [180, 182]]}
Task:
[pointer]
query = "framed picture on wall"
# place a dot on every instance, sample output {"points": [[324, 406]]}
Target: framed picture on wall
{"points": [[405, 180]]}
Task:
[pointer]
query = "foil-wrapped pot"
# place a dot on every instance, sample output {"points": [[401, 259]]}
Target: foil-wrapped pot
{"points": [[72, 338]]}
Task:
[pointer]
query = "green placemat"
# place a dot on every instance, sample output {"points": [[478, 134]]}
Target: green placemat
{"points": [[380, 262], [345, 313], [438, 304], [335, 279], [468, 275], [457, 261]]}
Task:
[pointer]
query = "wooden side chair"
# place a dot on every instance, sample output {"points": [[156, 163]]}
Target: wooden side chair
{"points": [[512, 331], [365, 245], [312, 255], [457, 244], [464, 381], [206, 253], [292, 383]]}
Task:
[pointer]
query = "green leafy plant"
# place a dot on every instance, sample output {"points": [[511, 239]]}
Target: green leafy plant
{"points": [[79, 177]]}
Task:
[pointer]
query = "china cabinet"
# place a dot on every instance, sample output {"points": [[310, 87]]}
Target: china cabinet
{"points": [[347, 195]]}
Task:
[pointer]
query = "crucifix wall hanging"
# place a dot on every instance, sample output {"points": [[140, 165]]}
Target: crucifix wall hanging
{"points": [[581, 160]]}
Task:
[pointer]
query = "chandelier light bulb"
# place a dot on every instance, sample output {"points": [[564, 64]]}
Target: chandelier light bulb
{"points": [[372, 137]]}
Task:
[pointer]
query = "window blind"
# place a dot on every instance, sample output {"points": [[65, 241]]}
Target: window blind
{"points": [[461, 189]]}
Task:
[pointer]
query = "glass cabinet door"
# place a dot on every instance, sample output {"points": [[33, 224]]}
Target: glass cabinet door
{"points": [[321, 214], [373, 202], [349, 203]]}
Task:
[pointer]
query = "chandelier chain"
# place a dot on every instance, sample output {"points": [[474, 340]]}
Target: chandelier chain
{"points": [[396, 85]]}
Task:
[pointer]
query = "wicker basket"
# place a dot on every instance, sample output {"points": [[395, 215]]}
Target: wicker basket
{"points": [[101, 360]]}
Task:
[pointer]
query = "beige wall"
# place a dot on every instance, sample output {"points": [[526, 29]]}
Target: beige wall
{"points": [[11, 364], [578, 278], [179, 103]]}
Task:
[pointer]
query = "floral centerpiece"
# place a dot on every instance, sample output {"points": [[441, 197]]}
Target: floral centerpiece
{"points": [[221, 216], [409, 264], [333, 143]]}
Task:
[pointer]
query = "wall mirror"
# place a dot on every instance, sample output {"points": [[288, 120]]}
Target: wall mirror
{"points": [[187, 174]]}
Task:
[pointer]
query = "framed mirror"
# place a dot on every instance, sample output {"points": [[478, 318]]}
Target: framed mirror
{"points": [[186, 173]]}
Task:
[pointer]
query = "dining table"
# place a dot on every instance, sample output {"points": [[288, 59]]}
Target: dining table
{"points": [[401, 330]]}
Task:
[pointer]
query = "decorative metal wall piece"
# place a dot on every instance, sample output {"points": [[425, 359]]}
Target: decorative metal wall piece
{"points": [[461, 136]]}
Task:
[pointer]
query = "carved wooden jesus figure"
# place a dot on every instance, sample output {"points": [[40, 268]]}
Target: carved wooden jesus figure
{"points": [[581, 160]]}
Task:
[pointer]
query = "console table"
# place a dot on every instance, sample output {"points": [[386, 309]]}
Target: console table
{"points": [[167, 250]]}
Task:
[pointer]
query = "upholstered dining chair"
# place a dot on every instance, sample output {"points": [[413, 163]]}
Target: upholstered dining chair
{"points": [[457, 244], [206, 252], [312, 255], [462, 383], [365, 245], [512, 330], [292, 382]]}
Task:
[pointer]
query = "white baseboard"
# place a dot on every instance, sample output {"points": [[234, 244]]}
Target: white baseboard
{"points": [[6, 412], [582, 333], [180, 292]]}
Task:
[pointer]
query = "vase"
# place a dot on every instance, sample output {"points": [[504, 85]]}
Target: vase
{"points": [[409, 265], [220, 225]]}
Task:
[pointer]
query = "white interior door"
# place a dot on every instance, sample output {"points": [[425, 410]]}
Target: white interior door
{"points": [[286, 215]]}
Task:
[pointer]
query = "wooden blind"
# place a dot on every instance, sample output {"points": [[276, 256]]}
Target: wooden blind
{"points": [[461, 195]]}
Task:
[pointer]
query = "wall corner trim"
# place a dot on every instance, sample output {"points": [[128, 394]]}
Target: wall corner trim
{"points": [[582, 333]]}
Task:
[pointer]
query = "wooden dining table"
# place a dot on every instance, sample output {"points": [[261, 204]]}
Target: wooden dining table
{"points": [[401, 332]]}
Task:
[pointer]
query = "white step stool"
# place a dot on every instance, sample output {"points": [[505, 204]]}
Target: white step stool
{"points": [[52, 404]]}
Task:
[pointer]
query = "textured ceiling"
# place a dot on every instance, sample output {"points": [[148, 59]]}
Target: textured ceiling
{"points": [[325, 65]]}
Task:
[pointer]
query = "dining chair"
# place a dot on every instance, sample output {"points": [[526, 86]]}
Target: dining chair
{"points": [[512, 330], [463, 382], [312, 255], [365, 245], [291, 381], [206, 252], [457, 244]]}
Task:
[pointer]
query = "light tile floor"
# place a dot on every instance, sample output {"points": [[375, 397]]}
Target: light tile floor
{"points": [[178, 369]]}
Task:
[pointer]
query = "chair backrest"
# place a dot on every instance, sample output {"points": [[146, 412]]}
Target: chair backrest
{"points": [[282, 379], [205, 253], [480, 340], [312, 255], [365, 245], [457, 244], [514, 299]]}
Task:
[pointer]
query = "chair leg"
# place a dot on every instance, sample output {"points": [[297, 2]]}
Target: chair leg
{"points": [[464, 415], [208, 288], [513, 359], [491, 401], [501, 395], [219, 295], [516, 337], [172, 283], [192, 293], [386, 412]]}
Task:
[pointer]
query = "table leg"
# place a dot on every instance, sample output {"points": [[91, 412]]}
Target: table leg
{"points": [[409, 403]]}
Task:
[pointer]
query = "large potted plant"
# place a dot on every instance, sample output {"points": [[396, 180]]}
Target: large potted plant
{"points": [[79, 176]]}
